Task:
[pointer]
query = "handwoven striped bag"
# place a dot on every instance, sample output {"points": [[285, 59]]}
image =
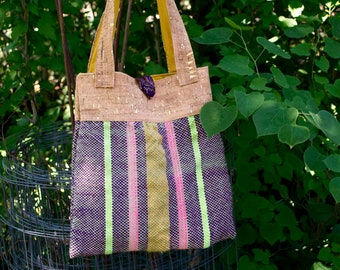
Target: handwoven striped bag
{"points": [[145, 176]]}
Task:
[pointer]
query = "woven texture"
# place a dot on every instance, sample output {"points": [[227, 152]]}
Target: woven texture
{"points": [[166, 187], [145, 176]]}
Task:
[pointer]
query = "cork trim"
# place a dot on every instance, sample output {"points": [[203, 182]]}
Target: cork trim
{"points": [[126, 102]]}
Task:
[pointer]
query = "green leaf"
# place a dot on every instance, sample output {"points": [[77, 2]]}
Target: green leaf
{"points": [[333, 163], [193, 28], [322, 63], [154, 68], [238, 27], [33, 8], [335, 22], [321, 80], [279, 78], [325, 254], [334, 188], [293, 135], [302, 49], [2, 15], [214, 36], [248, 103], [334, 89], [252, 204], [314, 159], [272, 48], [286, 216], [259, 84], [245, 263], [52, 114], [261, 256], [218, 93], [18, 96], [320, 266], [46, 26], [335, 235], [246, 235], [23, 122], [216, 118], [237, 64], [272, 116], [332, 48], [298, 31], [328, 124], [271, 232], [320, 212], [20, 28]]}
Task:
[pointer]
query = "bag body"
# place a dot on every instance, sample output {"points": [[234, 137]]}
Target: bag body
{"points": [[145, 176]]}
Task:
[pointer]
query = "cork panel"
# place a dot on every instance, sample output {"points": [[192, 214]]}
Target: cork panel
{"points": [[126, 102]]}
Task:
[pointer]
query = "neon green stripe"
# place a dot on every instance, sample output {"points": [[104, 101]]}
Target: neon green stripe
{"points": [[200, 182], [108, 189]]}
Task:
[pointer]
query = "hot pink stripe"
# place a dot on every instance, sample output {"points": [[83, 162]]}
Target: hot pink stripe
{"points": [[133, 187], [182, 215]]}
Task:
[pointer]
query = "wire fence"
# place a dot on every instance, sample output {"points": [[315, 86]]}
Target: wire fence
{"points": [[35, 183]]}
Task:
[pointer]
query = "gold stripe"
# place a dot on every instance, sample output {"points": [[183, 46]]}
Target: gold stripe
{"points": [[158, 191]]}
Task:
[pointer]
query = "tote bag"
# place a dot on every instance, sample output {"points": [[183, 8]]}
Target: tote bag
{"points": [[145, 176]]}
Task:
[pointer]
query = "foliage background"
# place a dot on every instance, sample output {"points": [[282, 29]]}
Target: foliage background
{"points": [[274, 69]]}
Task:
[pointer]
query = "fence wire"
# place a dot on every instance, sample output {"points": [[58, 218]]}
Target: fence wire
{"points": [[35, 182]]}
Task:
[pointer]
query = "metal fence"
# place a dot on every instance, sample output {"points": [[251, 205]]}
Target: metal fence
{"points": [[35, 182]]}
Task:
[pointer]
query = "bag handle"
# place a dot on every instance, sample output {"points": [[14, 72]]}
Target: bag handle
{"points": [[179, 54]]}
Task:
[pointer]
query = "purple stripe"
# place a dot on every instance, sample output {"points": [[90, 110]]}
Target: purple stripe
{"points": [[87, 215], [173, 207], [218, 187], [120, 187], [183, 139], [142, 187]]}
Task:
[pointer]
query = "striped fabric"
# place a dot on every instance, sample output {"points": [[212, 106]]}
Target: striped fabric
{"points": [[148, 186]]}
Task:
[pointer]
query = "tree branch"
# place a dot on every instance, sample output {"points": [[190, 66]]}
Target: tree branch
{"points": [[67, 59], [126, 36]]}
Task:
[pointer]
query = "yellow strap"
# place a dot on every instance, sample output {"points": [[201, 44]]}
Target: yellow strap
{"points": [[93, 56], [165, 30], [166, 35]]}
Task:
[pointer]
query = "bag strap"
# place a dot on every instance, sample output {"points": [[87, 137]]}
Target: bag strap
{"points": [[179, 54]]}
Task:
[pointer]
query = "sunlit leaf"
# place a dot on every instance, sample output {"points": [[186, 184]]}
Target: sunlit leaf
{"points": [[332, 48], [214, 36], [279, 77], [334, 89], [333, 163], [216, 118], [314, 159], [302, 49], [272, 116], [322, 63], [334, 188], [248, 103], [293, 134], [328, 124], [259, 84], [272, 48], [237, 64], [320, 266], [335, 22], [237, 26], [298, 31]]}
